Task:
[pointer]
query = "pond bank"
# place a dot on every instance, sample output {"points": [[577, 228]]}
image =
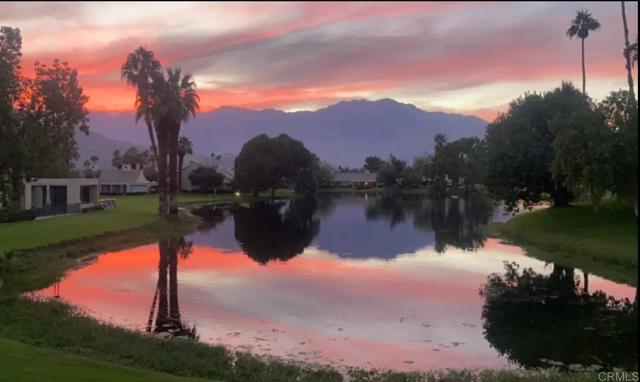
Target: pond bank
{"points": [[52, 325], [603, 242]]}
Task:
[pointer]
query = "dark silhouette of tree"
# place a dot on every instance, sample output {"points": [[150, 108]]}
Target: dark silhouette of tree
{"points": [[580, 26], [373, 163], [167, 316], [206, 179], [627, 53], [139, 70], [519, 147], [274, 230], [185, 147], [175, 100], [539, 321], [266, 163]]}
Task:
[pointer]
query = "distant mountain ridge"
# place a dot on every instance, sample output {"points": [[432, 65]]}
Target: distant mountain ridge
{"points": [[341, 134]]}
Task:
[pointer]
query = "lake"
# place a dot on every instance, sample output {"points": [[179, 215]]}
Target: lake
{"points": [[372, 281]]}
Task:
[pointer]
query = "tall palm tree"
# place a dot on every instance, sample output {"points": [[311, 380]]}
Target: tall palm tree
{"points": [[175, 101], [185, 146], [627, 55], [139, 70], [580, 26]]}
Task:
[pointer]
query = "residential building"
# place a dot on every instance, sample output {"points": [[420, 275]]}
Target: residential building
{"points": [[126, 180], [53, 196]]}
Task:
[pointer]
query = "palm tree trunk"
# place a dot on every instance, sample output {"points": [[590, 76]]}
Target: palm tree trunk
{"points": [[173, 168], [162, 169], [174, 307], [152, 138], [627, 55], [584, 76], [162, 319], [180, 163]]}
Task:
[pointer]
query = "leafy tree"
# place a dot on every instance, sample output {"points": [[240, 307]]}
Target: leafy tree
{"points": [[519, 147], [392, 172], [38, 120], [265, 163], [597, 152], [373, 164], [457, 161], [132, 157], [185, 146], [580, 26], [12, 153], [207, 179], [423, 166]]}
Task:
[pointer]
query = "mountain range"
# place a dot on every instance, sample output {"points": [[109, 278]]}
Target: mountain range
{"points": [[341, 134]]}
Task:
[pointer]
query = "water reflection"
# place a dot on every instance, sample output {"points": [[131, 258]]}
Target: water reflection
{"points": [[360, 281], [542, 320], [276, 230], [455, 222], [165, 305]]}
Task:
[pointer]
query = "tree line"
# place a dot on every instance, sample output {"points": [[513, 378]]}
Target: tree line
{"points": [[38, 119]]}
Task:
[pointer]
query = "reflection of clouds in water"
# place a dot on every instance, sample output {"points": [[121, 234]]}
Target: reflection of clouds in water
{"points": [[417, 304]]}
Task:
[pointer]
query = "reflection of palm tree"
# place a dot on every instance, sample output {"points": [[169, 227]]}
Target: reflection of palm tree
{"points": [[531, 318], [168, 319]]}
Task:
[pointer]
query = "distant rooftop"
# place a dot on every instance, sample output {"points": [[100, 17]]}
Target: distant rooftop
{"points": [[369, 177]]}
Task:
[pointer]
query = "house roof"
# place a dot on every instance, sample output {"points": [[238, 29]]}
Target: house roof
{"points": [[115, 176], [368, 177]]}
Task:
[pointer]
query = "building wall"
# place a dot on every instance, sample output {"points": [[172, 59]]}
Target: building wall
{"points": [[72, 185]]}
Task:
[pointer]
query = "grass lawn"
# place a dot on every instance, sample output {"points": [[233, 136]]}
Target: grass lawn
{"points": [[604, 241], [24, 363], [131, 212]]}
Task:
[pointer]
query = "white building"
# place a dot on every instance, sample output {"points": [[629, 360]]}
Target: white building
{"points": [[52, 196], [124, 181]]}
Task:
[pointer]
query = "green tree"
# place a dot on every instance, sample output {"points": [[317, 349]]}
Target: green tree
{"points": [[185, 147], [373, 164], [580, 26], [207, 179], [265, 163], [459, 162], [392, 172], [12, 153], [519, 147], [597, 152]]}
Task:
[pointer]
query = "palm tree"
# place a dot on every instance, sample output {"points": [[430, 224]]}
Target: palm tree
{"points": [[185, 146], [139, 70], [175, 100], [580, 26], [633, 49], [627, 55]]}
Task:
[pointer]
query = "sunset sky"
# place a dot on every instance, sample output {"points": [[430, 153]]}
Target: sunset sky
{"points": [[471, 58]]}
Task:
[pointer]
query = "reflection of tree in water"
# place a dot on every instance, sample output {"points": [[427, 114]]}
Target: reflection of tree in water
{"points": [[455, 222], [210, 215], [532, 318], [276, 230], [165, 299]]}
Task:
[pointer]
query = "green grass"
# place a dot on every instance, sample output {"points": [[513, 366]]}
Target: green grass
{"points": [[131, 212], [23, 363], [603, 241]]}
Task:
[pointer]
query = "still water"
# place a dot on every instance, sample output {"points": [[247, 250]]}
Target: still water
{"points": [[370, 281]]}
